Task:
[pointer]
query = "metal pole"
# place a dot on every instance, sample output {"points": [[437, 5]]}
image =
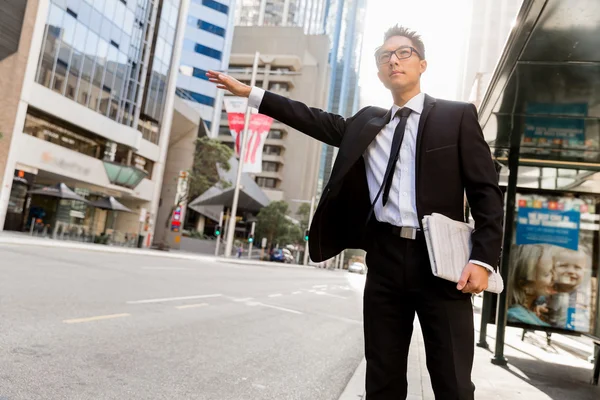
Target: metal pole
{"points": [[251, 243], [236, 192], [310, 215], [509, 222], [486, 309], [219, 236]]}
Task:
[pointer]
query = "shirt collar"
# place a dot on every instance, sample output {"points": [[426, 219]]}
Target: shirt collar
{"points": [[416, 104]]}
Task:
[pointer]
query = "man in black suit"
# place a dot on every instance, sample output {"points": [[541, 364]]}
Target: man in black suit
{"points": [[393, 167]]}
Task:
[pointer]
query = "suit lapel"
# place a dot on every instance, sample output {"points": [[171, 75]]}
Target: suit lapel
{"points": [[428, 104], [356, 146]]}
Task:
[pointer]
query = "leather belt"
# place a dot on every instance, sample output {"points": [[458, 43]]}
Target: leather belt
{"points": [[405, 232]]}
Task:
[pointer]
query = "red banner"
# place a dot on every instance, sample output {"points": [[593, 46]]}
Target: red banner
{"points": [[258, 129]]}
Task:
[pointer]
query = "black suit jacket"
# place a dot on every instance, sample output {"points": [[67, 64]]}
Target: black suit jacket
{"points": [[451, 157]]}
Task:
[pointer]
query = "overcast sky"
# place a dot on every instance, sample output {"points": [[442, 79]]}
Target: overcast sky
{"points": [[444, 26]]}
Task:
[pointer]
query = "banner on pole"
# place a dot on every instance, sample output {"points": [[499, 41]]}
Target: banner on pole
{"points": [[258, 130]]}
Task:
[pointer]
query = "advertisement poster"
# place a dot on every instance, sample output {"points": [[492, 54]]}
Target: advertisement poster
{"points": [[552, 267], [258, 130], [565, 129]]}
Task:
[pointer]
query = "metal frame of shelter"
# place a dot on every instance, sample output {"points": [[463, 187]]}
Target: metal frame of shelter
{"points": [[549, 71]]}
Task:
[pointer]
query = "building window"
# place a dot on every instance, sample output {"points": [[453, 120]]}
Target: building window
{"points": [[200, 73], [207, 51], [53, 130], [269, 166], [269, 183], [205, 26], [275, 134], [224, 131], [272, 150], [215, 5], [199, 98]]}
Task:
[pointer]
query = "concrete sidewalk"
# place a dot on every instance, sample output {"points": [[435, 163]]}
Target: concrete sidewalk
{"points": [[34, 242], [536, 370]]}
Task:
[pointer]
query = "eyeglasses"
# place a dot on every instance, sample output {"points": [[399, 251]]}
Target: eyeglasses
{"points": [[402, 53]]}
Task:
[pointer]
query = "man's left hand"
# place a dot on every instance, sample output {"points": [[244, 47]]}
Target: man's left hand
{"points": [[474, 279]]}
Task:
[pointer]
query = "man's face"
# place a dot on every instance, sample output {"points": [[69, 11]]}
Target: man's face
{"points": [[400, 74]]}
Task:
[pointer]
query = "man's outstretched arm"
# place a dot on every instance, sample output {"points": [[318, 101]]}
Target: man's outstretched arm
{"points": [[323, 126]]}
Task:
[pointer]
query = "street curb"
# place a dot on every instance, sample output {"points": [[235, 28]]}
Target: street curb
{"points": [[28, 241], [355, 390]]}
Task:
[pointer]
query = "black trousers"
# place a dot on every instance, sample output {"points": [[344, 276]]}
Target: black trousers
{"points": [[399, 284]]}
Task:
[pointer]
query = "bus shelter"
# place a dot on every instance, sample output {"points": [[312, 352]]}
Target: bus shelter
{"points": [[540, 116]]}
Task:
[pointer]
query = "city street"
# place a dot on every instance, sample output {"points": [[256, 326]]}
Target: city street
{"points": [[93, 325]]}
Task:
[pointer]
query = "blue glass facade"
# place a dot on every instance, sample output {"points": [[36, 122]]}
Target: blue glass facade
{"points": [[92, 53]]}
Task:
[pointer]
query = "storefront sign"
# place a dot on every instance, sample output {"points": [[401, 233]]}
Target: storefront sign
{"points": [[258, 131], [67, 166]]}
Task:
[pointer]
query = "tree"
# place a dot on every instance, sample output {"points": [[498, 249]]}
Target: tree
{"points": [[303, 215], [211, 155], [273, 224]]}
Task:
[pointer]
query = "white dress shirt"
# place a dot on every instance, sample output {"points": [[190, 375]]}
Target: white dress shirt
{"points": [[401, 207]]}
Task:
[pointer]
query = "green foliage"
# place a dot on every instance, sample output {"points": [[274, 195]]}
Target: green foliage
{"points": [[273, 224], [210, 155], [303, 215]]}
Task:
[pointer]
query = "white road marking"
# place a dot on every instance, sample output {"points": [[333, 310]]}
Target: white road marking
{"points": [[275, 295], [298, 292], [202, 296], [192, 306], [319, 286], [258, 386], [240, 300], [256, 303], [330, 295], [96, 318], [169, 268]]}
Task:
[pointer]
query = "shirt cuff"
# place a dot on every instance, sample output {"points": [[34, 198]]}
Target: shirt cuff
{"points": [[484, 265], [256, 96]]}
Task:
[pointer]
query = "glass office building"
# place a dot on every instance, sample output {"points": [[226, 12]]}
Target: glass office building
{"points": [[206, 46], [94, 53], [97, 108]]}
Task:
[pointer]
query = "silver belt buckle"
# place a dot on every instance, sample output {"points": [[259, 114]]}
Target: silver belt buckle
{"points": [[408, 232]]}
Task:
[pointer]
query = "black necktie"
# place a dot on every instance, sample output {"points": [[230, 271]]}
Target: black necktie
{"points": [[394, 153]]}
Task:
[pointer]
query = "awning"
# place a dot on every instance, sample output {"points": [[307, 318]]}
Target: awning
{"points": [[544, 96], [252, 198], [124, 175]]}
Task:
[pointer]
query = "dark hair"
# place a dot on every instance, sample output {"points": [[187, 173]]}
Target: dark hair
{"points": [[415, 38]]}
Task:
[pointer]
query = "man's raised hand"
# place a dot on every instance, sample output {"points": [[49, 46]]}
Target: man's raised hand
{"points": [[226, 82]]}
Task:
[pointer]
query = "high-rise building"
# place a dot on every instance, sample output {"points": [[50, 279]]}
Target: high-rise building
{"points": [[491, 22], [307, 14], [206, 46], [294, 65], [343, 22], [89, 104]]}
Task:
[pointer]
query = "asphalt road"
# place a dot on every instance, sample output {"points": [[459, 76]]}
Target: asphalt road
{"points": [[90, 325]]}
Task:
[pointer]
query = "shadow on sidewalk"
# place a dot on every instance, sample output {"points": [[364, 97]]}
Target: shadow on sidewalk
{"points": [[558, 382]]}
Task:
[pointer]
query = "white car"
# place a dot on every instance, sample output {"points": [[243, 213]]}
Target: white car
{"points": [[289, 258], [357, 267]]}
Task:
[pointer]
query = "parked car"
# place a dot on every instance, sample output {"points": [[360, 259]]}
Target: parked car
{"points": [[358, 268]]}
